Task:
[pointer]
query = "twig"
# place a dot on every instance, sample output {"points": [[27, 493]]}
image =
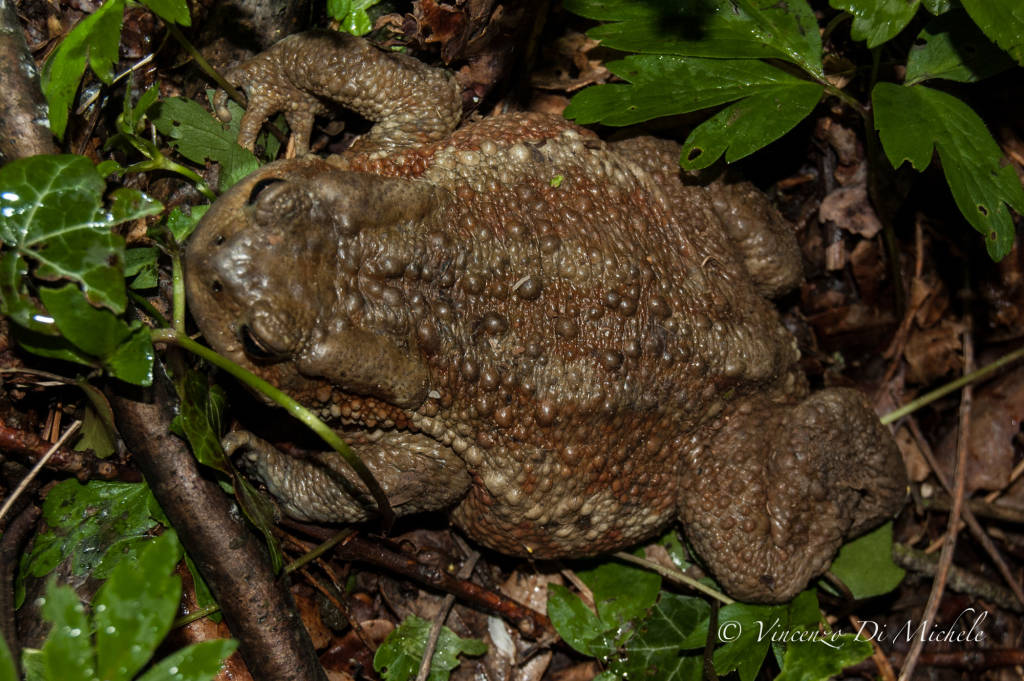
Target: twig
{"points": [[38, 467], [11, 546], [946, 557], [674, 576], [968, 516], [435, 627], [960, 580]]}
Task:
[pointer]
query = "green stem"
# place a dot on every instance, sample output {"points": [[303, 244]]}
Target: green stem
{"points": [[674, 576], [318, 551], [147, 306], [200, 60], [178, 291], [291, 406], [930, 397]]}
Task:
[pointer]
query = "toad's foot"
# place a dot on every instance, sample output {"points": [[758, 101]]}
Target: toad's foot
{"points": [[780, 487], [415, 472], [410, 102]]}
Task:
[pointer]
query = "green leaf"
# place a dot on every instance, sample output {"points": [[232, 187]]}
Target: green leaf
{"points": [[8, 672], [621, 592], [15, 301], [94, 435], [1002, 21], [746, 29], [50, 212], [131, 204], [198, 662], [200, 429], [98, 36], [572, 619], [823, 658], [865, 564], [938, 7], [654, 652], [135, 607], [952, 47], [749, 124], [912, 120], [199, 137], [666, 86], [125, 350], [141, 263], [67, 653], [174, 11], [398, 657], [877, 21], [181, 225], [86, 522]]}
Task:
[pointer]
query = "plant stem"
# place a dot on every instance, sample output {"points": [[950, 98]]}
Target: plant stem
{"points": [[942, 391], [298, 411], [178, 292]]}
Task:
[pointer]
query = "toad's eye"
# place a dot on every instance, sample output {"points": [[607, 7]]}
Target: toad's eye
{"points": [[255, 348], [258, 188]]}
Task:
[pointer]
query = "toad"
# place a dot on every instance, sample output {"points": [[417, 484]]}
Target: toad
{"points": [[557, 338]]}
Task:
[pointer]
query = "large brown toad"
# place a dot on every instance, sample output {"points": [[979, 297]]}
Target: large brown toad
{"points": [[555, 336]]}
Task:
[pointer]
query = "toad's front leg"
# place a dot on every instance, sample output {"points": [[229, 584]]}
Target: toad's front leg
{"points": [[415, 472], [410, 103]]}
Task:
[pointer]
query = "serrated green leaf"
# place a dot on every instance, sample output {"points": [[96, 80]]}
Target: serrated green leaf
{"points": [[572, 619], [67, 653], [822, 659], [134, 609], [654, 651], [751, 29], [666, 86], [87, 521], [197, 662], [877, 21], [98, 36], [749, 124], [141, 263], [199, 137], [912, 120], [1002, 21], [952, 47], [50, 212], [174, 11], [866, 566], [398, 657]]}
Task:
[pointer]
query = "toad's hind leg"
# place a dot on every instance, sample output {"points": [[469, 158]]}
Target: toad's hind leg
{"points": [[769, 501], [410, 102], [415, 472]]}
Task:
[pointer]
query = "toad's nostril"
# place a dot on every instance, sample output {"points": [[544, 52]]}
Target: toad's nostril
{"points": [[216, 286], [258, 188]]}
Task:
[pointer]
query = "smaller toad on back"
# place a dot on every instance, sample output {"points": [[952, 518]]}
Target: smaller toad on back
{"points": [[555, 336]]}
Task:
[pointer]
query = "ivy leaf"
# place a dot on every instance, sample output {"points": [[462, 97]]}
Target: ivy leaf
{"points": [[823, 659], [572, 619], [911, 121], [655, 652], [141, 263], [125, 350], [865, 564], [952, 47], [1002, 21], [939, 7], [50, 212], [748, 29], [877, 21], [398, 657], [98, 36], [198, 136]]}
